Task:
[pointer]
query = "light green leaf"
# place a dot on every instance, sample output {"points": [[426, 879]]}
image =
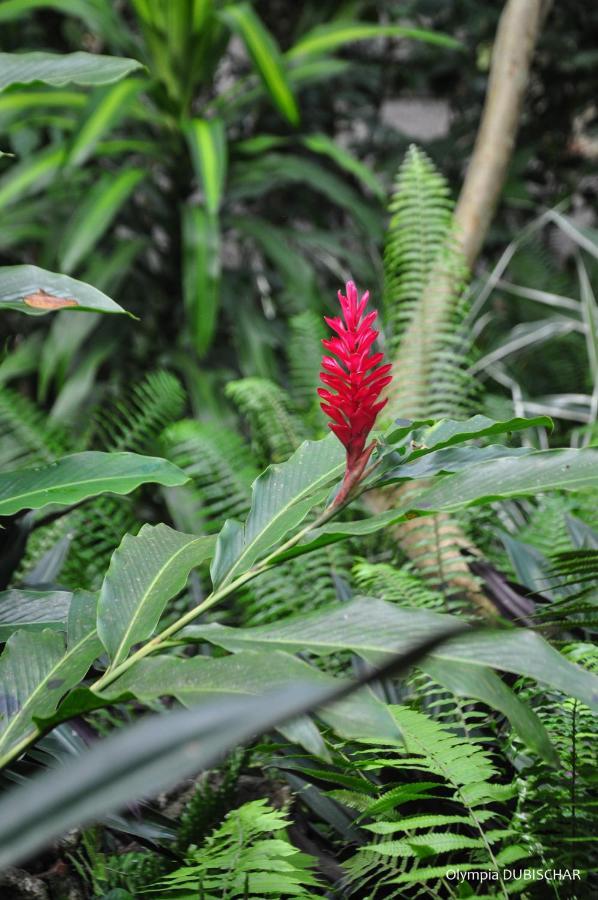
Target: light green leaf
{"points": [[94, 215], [373, 627], [546, 470], [322, 144], [266, 56], [145, 572], [325, 38], [447, 432], [33, 610], [83, 475], [36, 670], [31, 174], [201, 274], [63, 68], [247, 673], [105, 109], [37, 292], [207, 143], [281, 498]]}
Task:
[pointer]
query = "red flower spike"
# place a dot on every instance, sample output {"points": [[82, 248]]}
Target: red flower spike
{"points": [[355, 381]]}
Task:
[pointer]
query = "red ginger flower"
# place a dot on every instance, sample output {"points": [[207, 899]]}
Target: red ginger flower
{"points": [[356, 380]]}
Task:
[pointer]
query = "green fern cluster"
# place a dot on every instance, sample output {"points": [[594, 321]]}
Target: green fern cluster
{"points": [[276, 429], [444, 809], [248, 856]]}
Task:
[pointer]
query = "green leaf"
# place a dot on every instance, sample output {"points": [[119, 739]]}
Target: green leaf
{"points": [[248, 673], [281, 498], [546, 470], [94, 215], [33, 610], [447, 432], [201, 274], [36, 670], [63, 68], [31, 174], [145, 572], [451, 459], [372, 627], [325, 38], [266, 57], [207, 143], [37, 292], [156, 753], [81, 475], [325, 146], [105, 109]]}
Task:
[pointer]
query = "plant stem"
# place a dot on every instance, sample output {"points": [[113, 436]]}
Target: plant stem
{"points": [[215, 597]]}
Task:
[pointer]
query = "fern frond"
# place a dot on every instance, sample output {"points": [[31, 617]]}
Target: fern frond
{"points": [[305, 355], [275, 429], [425, 277], [26, 435], [221, 467], [135, 423]]}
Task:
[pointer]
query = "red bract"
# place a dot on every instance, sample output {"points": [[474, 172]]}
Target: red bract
{"points": [[356, 378]]}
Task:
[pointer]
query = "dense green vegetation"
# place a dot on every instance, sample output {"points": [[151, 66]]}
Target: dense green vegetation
{"points": [[216, 679]]}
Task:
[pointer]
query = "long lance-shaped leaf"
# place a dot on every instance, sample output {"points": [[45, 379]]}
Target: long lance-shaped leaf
{"points": [[202, 678], [36, 292], [158, 752], [81, 475], [201, 274], [145, 572], [33, 610], [325, 38], [567, 470], [207, 143], [30, 174], [105, 109], [372, 627], [266, 57], [63, 68], [95, 214], [448, 432], [36, 670], [281, 498]]}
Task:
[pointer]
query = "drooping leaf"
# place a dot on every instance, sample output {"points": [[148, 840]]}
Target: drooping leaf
{"points": [[81, 475], [37, 669], [325, 38], [371, 627], [37, 292], [266, 56], [447, 432], [158, 752], [63, 68], [33, 610], [248, 673], [145, 572], [281, 498]]}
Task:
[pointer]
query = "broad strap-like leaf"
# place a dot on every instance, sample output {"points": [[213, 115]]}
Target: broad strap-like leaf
{"points": [[105, 109], [59, 69], [249, 673], [81, 475], [145, 572], [37, 669], [35, 291], [281, 498], [448, 432], [33, 610], [265, 53], [201, 273], [372, 627]]}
